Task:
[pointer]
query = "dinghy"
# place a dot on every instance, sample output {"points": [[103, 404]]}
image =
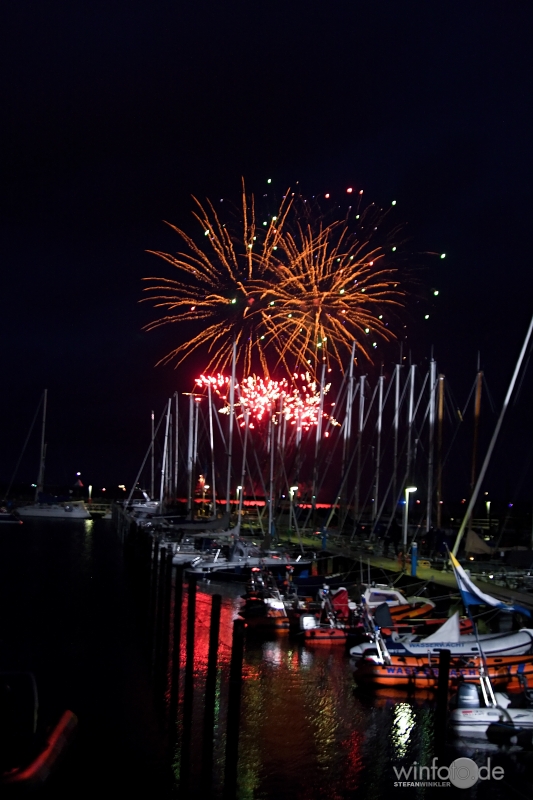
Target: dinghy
{"points": [[501, 720], [506, 672], [448, 637]]}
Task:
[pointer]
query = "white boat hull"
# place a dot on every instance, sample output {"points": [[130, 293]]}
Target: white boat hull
{"points": [[504, 644], [475, 722], [54, 511]]}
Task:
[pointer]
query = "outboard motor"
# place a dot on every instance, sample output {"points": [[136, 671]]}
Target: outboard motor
{"points": [[467, 696]]}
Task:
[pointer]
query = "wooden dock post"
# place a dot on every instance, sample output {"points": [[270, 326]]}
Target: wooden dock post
{"points": [[185, 761], [441, 709], [210, 696], [234, 710]]}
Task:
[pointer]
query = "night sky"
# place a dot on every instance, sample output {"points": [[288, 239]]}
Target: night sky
{"points": [[115, 113]]}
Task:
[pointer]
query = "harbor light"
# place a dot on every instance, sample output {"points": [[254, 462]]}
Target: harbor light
{"points": [[408, 491], [292, 491]]}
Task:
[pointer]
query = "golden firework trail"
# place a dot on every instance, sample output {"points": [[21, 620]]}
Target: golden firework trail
{"points": [[291, 290]]}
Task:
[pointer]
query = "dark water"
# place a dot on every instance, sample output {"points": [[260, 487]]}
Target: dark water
{"points": [[69, 615]]}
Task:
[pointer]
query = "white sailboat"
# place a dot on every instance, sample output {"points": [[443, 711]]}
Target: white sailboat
{"points": [[69, 510]]}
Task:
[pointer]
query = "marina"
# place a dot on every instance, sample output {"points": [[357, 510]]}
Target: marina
{"points": [[266, 463], [102, 656]]}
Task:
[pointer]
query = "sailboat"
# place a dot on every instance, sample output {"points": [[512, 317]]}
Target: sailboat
{"points": [[57, 510]]}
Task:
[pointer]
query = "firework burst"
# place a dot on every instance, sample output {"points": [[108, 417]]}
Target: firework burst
{"points": [[223, 286], [262, 398], [295, 289], [335, 285]]}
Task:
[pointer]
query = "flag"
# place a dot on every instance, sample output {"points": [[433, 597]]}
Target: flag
{"points": [[472, 595]]}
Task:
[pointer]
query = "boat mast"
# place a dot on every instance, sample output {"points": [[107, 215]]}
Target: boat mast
{"points": [[318, 438], [152, 488], [40, 479], [432, 389], [396, 426], [440, 418], [195, 451], [176, 450], [492, 441], [378, 449], [190, 455], [477, 413], [212, 446], [271, 476], [164, 464], [410, 422], [360, 427], [230, 432], [348, 414]]}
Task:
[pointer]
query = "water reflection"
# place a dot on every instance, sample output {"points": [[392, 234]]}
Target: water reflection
{"points": [[402, 727]]}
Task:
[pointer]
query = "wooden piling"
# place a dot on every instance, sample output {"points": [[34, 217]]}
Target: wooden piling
{"points": [[188, 689], [176, 647], [441, 709], [234, 709], [210, 696]]}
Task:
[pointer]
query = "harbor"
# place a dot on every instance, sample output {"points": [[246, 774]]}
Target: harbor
{"points": [[100, 647], [266, 462]]}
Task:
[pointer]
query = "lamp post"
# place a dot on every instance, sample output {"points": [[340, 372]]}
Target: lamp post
{"points": [[239, 501], [292, 490], [408, 491]]}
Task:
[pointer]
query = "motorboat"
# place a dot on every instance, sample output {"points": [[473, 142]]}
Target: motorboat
{"points": [[410, 672], [243, 555], [448, 637], [264, 607], [197, 526], [72, 510], [336, 622], [498, 717], [400, 607]]}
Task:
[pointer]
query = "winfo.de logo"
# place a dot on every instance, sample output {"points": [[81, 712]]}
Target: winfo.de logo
{"points": [[462, 773]]}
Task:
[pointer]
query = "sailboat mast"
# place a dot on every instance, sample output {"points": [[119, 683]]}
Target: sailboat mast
{"points": [[359, 443], [230, 432], [271, 477], [164, 464], [493, 440], [212, 447], [396, 426], [440, 419], [176, 451], [432, 388], [410, 419], [40, 479], [378, 449], [190, 455], [318, 437], [152, 489], [477, 412]]}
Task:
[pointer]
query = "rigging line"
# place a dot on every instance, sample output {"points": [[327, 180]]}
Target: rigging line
{"points": [[522, 378], [370, 405], [23, 449], [217, 417], [490, 398], [420, 396], [146, 457], [517, 489], [472, 390]]}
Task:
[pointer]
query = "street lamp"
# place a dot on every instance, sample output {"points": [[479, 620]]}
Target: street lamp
{"points": [[292, 490], [408, 491]]}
